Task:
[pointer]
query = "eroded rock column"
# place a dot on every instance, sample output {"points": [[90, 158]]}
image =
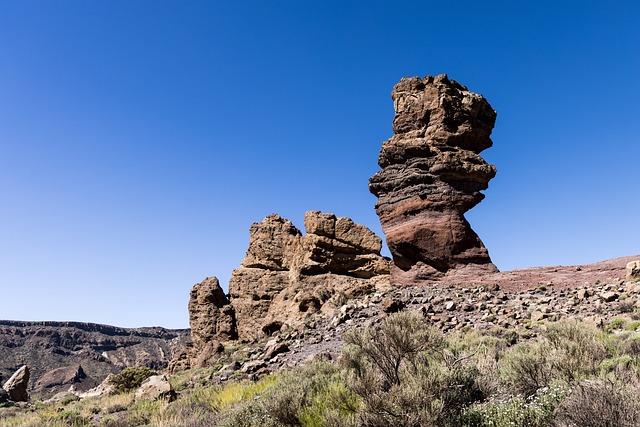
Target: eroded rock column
{"points": [[431, 175]]}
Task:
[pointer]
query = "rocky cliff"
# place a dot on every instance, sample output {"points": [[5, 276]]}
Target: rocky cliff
{"points": [[431, 175], [62, 354]]}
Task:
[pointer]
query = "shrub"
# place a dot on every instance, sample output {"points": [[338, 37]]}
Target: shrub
{"points": [[131, 378], [601, 403], [406, 374], [567, 351], [535, 411]]}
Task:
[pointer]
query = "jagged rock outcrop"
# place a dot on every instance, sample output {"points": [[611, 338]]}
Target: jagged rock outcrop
{"points": [[633, 270], [286, 276], [431, 175], [16, 386], [211, 318]]}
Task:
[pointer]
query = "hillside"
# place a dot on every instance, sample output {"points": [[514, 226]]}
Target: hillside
{"points": [[98, 349]]}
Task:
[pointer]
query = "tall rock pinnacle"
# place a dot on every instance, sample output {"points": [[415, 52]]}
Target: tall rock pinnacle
{"points": [[431, 175]]}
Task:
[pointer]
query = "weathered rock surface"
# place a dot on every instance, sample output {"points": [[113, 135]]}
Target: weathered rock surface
{"points": [[633, 270], [63, 377], [211, 316], [431, 175], [285, 276], [155, 387], [100, 349], [16, 386]]}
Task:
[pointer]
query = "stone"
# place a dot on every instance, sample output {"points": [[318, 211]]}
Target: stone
{"points": [[633, 270], [609, 296], [392, 305], [537, 315], [274, 349], [252, 366], [17, 385], [65, 376], [431, 175], [105, 388], [155, 387], [286, 277]]}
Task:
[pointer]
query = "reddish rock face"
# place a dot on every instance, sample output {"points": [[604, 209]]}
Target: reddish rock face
{"points": [[431, 175]]}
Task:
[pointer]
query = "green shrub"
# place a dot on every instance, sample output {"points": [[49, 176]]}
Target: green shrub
{"points": [[131, 378], [406, 374]]}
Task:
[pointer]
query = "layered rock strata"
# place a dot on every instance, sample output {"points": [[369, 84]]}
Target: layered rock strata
{"points": [[286, 277], [431, 175]]}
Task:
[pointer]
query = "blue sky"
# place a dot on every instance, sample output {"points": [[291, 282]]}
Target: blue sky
{"points": [[140, 139]]}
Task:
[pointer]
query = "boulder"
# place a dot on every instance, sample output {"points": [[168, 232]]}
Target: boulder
{"points": [[155, 387], [431, 175], [16, 386], [633, 270], [105, 388], [65, 376]]}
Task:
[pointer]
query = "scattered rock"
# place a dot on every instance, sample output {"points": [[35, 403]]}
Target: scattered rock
{"points": [[609, 296], [392, 305], [17, 385], [155, 387], [274, 348], [252, 366], [431, 175]]}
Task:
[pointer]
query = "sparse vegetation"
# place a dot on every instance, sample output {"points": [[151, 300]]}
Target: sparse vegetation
{"points": [[400, 372], [130, 378]]}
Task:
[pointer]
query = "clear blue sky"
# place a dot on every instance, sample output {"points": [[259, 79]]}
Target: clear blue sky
{"points": [[140, 139]]}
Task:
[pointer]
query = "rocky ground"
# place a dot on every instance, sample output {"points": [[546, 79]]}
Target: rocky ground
{"points": [[64, 354], [518, 302]]}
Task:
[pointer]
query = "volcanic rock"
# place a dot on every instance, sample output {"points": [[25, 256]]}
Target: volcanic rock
{"points": [[431, 175], [286, 276], [155, 387], [211, 316], [65, 376], [633, 270], [17, 385]]}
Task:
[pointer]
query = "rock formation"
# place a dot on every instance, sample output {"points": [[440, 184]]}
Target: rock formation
{"points": [[431, 175], [211, 318], [16, 386], [63, 377], [633, 270], [286, 276]]}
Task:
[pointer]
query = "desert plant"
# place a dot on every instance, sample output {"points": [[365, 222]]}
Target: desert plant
{"points": [[406, 374], [600, 403], [131, 378]]}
